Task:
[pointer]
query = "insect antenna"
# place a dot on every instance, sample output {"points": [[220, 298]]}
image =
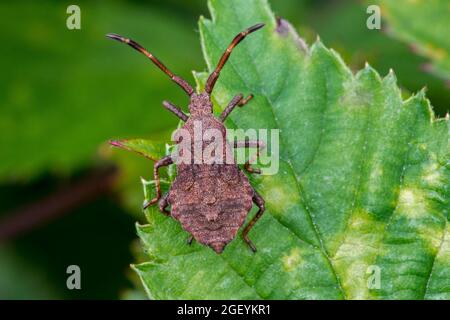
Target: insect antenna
{"points": [[178, 80], [241, 36]]}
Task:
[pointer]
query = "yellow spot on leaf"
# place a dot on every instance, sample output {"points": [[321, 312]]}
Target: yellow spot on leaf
{"points": [[279, 194], [377, 172], [433, 178], [355, 254], [292, 261], [432, 175], [412, 202]]}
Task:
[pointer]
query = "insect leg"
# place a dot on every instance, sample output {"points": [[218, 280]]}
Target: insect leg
{"points": [[164, 162], [190, 239], [237, 101], [243, 102], [174, 109], [178, 80], [259, 201], [163, 204], [215, 75], [260, 145]]}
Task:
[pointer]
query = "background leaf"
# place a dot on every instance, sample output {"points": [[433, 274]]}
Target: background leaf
{"points": [[75, 99], [424, 25], [363, 179]]}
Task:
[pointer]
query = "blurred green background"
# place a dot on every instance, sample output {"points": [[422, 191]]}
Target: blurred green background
{"points": [[66, 197]]}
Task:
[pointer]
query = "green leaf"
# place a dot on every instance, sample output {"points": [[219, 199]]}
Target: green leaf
{"points": [[147, 148], [363, 183], [424, 25]]}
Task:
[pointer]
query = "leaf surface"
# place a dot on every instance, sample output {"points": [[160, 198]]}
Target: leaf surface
{"points": [[362, 189]]}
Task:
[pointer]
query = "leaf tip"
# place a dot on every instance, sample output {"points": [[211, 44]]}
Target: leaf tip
{"points": [[318, 45], [368, 67], [419, 100], [391, 77], [138, 227], [368, 72], [143, 181], [422, 92], [202, 22], [137, 268], [285, 28]]}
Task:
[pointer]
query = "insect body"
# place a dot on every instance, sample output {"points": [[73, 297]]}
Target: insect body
{"points": [[210, 199]]}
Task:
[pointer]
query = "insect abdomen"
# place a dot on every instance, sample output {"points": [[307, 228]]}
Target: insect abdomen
{"points": [[211, 207]]}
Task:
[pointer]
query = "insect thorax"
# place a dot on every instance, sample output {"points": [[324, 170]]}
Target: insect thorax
{"points": [[200, 105], [202, 141]]}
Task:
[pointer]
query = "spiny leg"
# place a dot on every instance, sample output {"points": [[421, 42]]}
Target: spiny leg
{"points": [[178, 80], [260, 145], [161, 163], [236, 101], [175, 110], [243, 102], [163, 204], [259, 201], [215, 75]]}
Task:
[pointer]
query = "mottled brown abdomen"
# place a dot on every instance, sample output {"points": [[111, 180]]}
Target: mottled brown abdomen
{"points": [[211, 202]]}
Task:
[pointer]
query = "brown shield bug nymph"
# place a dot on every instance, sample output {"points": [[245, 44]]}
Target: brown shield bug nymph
{"points": [[210, 200]]}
